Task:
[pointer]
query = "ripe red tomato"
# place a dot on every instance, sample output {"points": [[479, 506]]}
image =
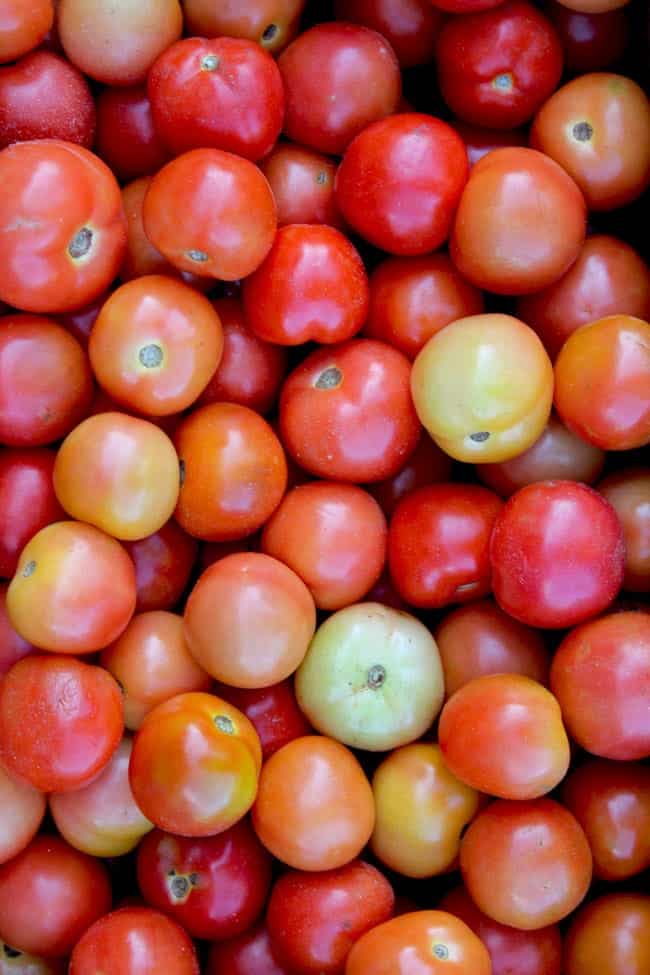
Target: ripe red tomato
{"points": [[409, 26], [126, 138], [302, 181], [249, 954], [27, 501], [611, 935], [628, 492], [163, 564], [272, 23], [23, 26], [23, 808], [273, 711]]}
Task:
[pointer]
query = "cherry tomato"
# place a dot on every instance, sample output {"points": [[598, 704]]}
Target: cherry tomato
{"points": [[409, 26], [126, 138], [610, 935], [302, 181], [628, 492], [23, 809], [27, 501], [273, 711], [12, 646], [272, 23], [23, 26], [163, 564], [249, 954]]}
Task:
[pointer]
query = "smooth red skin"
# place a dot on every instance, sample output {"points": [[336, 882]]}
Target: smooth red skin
{"points": [[358, 81], [591, 42], [608, 278], [43, 96], [126, 137], [134, 941], [557, 554], [312, 286], [302, 181], [49, 894], [79, 323], [601, 677], [602, 376], [409, 26], [513, 38], [412, 298], [227, 897], [405, 210], [163, 565], [428, 464], [628, 491], [610, 935], [512, 952], [249, 954], [60, 721], [45, 381], [465, 6], [314, 919], [479, 639], [273, 711], [479, 141], [362, 430], [23, 26], [557, 455], [438, 541], [12, 646], [27, 501], [251, 370], [611, 801], [238, 106]]}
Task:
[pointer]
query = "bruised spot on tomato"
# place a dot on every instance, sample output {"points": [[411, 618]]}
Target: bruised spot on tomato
{"points": [[80, 243], [330, 378]]}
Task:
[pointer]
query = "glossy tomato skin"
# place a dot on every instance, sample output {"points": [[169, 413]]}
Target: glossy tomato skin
{"points": [[628, 492], [24, 27], [403, 211], [136, 940], [513, 196], [215, 886], [526, 864], [498, 66], [49, 894], [27, 501], [302, 181], [426, 942], [71, 233], [273, 711], [611, 933], [601, 673], [12, 646], [315, 918], [409, 26], [23, 809], [249, 954], [524, 952], [43, 96], [438, 543], [126, 137], [601, 382], [163, 564], [272, 23], [552, 580], [346, 412], [591, 41]]}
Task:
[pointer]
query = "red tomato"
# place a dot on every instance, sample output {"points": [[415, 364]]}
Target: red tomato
{"points": [[126, 138], [591, 41], [23, 809], [428, 464], [272, 23], [611, 935], [302, 181], [49, 894], [12, 646], [63, 228], [556, 578], [27, 501], [405, 210], [163, 564], [134, 941], [273, 711], [409, 26], [249, 954], [215, 886], [346, 412], [601, 677], [23, 26], [628, 492], [438, 543]]}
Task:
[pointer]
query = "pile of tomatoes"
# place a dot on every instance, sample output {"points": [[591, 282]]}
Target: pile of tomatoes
{"points": [[324, 507]]}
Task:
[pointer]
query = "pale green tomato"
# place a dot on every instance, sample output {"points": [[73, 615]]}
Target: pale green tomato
{"points": [[372, 678]]}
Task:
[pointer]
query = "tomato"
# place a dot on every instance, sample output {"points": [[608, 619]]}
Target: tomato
{"points": [[526, 864], [126, 138], [12, 646], [420, 943], [346, 412], [480, 639], [272, 710], [311, 287], [215, 886], [591, 41], [412, 298], [23, 26], [601, 677], [511, 951], [558, 454], [506, 236], [421, 809], [314, 808], [409, 26], [503, 734], [371, 678], [405, 210], [601, 382], [195, 765], [163, 564], [74, 589], [608, 278], [479, 141], [483, 388], [248, 954], [628, 492], [611, 801], [234, 472], [63, 229], [597, 127], [302, 181], [611, 933], [27, 501], [211, 213], [438, 541], [498, 66], [45, 381], [117, 43], [23, 809], [137, 941], [272, 23], [43, 96], [249, 620], [49, 894], [551, 578]]}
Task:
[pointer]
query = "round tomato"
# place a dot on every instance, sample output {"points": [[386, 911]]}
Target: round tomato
{"points": [[410, 26], [591, 41], [611, 935], [126, 138], [163, 564], [302, 181], [272, 23]]}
